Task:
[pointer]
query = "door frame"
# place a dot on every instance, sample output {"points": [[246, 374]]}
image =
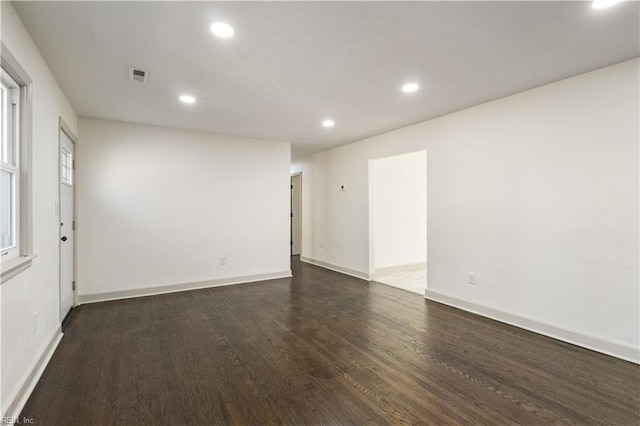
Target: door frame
{"points": [[296, 174], [64, 127]]}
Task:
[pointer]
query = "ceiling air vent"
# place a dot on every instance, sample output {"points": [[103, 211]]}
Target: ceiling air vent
{"points": [[136, 74]]}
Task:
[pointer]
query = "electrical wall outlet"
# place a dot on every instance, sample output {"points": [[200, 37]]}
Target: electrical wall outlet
{"points": [[223, 260], [472, 278]]}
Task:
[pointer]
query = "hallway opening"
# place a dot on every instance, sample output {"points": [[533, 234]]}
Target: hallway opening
{"points": [[398, 221]]}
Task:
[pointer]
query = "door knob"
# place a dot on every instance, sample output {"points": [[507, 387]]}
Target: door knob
{"points": [[64, 238]]}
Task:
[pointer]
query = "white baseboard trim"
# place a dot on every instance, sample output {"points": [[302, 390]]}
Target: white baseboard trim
{"points": [[173, 288], [598, 344], [336, 268], [33, 375]]}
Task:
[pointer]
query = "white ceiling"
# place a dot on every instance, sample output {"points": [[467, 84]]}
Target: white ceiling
{"points": [[290, 65]]}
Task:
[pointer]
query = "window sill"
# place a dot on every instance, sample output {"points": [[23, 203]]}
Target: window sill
{"points": [[13, 267]]}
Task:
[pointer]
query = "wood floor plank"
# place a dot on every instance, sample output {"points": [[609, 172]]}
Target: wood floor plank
{"points": [[320, 348]]}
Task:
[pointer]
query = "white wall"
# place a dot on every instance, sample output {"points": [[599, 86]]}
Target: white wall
{"points": [[399, 186], [158, 207], [536, 193], [37, 288]]}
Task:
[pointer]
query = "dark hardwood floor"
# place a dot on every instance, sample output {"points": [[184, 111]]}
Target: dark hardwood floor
{"points": [[321, 348]]}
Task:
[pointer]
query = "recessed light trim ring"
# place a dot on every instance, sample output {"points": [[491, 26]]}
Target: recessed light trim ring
{"points": [[187, 99], [222, 30], [410, 87]]}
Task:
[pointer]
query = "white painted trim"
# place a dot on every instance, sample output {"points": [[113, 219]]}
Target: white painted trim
{"points": [[33, 375], [598, 344], [13, 267], [173, 288], [401, 268], [299, 219], [336, 268]]}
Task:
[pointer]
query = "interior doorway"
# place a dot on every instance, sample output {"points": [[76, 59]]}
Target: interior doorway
{"points": [[296, 214], [67, 221], [398, 221]]}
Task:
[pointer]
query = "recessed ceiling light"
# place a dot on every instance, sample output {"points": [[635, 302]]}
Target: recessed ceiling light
{"points": [[187, 99], [328, 123], [222, 30], [603, 4], [410, 87]]}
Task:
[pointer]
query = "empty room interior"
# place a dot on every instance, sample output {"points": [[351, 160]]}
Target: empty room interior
{"points": [[311, 213]]}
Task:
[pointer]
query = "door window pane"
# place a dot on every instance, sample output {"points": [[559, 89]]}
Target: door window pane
{"points": [[66, 164]]}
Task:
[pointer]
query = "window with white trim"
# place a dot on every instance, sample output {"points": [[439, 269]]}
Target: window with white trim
{"points": [[9, 167], [16, 207]]}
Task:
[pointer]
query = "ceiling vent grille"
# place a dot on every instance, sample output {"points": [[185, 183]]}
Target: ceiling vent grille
{"points": [[139, 75]]}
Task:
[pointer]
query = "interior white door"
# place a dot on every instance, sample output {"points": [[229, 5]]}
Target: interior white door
{"points": [[67, 231], [296, 214]]}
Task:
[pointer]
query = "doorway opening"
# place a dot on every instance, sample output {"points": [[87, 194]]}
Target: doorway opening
{"points": [[398, 221], [296, 214]]}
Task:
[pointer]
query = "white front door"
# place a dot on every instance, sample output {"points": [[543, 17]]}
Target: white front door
{"points": [[66, 224]]}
